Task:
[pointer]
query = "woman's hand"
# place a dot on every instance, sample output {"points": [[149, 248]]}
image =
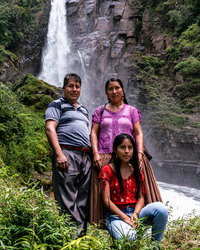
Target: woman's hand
{"points": [[140, 159], [97, 163]]}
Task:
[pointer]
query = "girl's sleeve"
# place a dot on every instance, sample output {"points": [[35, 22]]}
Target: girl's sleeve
{"points": [[96, 117], [136, 115], [105, 174]]}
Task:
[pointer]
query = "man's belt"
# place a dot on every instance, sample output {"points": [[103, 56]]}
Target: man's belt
{"points": [[75, 148]]}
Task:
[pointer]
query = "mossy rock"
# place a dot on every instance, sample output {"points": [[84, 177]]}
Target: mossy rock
{"points": [[7, 56], [35, 92]]}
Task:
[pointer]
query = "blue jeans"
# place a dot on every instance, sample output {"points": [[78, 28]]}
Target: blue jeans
{"points": [[154, 214]]}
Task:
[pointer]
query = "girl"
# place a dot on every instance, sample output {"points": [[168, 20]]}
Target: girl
{"points": [[123, 190]]}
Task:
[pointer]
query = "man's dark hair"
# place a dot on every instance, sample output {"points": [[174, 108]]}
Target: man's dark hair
{"points": [[73, 76]]}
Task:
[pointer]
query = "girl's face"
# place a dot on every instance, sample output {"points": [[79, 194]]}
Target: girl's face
{"points": [[114, 92], [125, 150]]}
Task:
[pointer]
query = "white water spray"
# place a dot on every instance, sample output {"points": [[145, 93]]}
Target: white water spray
{"points": [[54, 56], [82, 63]]}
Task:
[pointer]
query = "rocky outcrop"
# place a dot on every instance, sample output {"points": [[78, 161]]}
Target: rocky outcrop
{"points": [[177, 172]]}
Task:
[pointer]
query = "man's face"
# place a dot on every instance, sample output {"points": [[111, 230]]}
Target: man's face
{"points": [[72, 91]]}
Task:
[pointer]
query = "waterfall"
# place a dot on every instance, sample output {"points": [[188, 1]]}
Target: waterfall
{"points": [[82, 63], [54, 55]]}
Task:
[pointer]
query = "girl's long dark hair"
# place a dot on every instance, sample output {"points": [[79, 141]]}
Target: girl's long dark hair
{"points": [[134, 162], [120, 83]]}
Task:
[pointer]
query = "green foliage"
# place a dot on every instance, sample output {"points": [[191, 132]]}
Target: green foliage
{"points": [[178, 120], [28, 220], [150, 65], [188, 89], [191, 36], [85, 242], [183, 233], [16, 18], [189, 66], [6, 55], [177, 15], [196, 124], [174, 19], [34, 92], [23, 143], [172, 53]]}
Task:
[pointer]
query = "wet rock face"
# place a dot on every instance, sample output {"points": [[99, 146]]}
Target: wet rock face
{"points": [[103, 31], [31, 48], [185, 173]]}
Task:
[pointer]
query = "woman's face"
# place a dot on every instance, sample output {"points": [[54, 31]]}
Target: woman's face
{"points": [[114, 92], [125, 150]]}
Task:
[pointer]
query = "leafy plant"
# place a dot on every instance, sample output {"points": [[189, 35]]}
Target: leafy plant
{"points": [[16, 18], [189, 66], [28, 220], [22, 135]]}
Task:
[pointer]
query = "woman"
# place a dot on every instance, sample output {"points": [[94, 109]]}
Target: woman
{"points": [[115, 118], [123, 189]]}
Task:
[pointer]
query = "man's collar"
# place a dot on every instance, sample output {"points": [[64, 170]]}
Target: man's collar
{"points": [[67, 101]]}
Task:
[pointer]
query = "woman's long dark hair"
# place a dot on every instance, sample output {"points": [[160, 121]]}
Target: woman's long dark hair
{"points": [[120, 83], [133, 161]]}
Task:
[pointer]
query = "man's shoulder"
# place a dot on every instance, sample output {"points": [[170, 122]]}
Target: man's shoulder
{"points": [[84, 111]]}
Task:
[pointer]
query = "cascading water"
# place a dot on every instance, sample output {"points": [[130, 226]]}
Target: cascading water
{"points": [[82, 63], [54, 56]]}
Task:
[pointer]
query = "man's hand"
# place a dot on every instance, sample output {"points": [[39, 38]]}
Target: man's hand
{"points": [[97, 163], [62, 162]]}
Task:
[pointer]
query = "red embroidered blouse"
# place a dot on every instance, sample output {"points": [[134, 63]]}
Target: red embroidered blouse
{"points": [[128, 197]]}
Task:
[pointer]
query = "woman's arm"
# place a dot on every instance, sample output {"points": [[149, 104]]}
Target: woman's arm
{"points": [[94, 143], [111, 206], [139, 138]]}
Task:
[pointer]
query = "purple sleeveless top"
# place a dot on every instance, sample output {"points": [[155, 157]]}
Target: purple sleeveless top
{"points": [[113, 124]]}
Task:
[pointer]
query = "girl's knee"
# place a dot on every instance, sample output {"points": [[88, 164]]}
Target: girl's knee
{"points": [[162, 209]]}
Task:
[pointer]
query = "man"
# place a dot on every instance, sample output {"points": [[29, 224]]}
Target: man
{"points": [[67, 129]]}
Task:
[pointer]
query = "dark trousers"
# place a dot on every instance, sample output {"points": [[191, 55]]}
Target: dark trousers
{"points": [[71, 188]]}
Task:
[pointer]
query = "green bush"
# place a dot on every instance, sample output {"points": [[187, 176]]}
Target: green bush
{"points": [[28, 220], [172, 53], [22, 135], [174, 19], [16, 18], [178, 120], [6, 55], [188, 89], [191, 36], [34, 92], [151, 63], [189, 66]]}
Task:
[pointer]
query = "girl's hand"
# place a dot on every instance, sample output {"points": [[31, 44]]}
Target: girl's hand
{"points": [[97, 161], [131, 222], [134, 219]]}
